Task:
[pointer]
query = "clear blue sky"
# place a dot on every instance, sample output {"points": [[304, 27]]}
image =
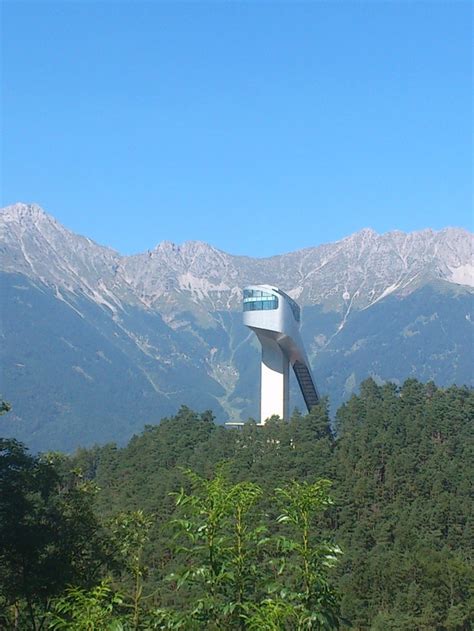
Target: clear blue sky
{"points": [[259, 127]]}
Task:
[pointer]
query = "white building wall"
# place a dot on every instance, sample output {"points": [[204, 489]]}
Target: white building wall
{"points": [[274, 376]]}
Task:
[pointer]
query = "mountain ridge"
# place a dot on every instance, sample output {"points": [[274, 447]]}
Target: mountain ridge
{"points": [[151, 331], [201, 269], [24, 209]]}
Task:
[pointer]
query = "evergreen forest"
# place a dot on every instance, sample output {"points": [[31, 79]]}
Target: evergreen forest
{"points": [[362, 523]]}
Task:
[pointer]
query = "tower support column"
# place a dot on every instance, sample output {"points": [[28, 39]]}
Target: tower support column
{"points": [[274, 380]]}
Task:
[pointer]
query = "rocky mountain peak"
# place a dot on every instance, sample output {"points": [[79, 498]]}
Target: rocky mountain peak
{"points": [[349, 274], [166, 246], [26, 215], [185, 249], [366, 234]]}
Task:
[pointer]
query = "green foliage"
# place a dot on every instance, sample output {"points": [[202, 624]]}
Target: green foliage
{"points": [[224, 562], [316, 604], [49, 534], [217, 545], [230, 552], [230, 563], [96, 609], [403, 471], [130, 533], [401, 467], [272, 615]]}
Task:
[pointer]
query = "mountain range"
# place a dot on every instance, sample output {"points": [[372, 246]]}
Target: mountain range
{"points": [[96, 344]]}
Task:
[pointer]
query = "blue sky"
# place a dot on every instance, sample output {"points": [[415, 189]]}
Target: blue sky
{"points": [[259, 127]]}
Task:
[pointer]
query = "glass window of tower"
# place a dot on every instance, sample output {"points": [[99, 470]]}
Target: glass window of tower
{"points": [[258, 300], [295, 308]]}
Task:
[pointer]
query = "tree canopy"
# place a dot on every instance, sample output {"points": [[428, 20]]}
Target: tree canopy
{"points": [[195, 526]]}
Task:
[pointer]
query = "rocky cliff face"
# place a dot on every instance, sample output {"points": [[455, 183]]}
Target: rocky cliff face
{"points": [[173, 312]]}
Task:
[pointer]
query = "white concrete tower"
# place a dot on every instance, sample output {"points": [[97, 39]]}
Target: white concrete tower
{"points": [[275, 318]]}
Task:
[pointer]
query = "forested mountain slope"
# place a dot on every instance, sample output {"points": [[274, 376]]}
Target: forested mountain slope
{"points": [[401, 467], [156, 330]]}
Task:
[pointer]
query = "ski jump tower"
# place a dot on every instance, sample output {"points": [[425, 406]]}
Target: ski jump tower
{"points": [[275, 319]]}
